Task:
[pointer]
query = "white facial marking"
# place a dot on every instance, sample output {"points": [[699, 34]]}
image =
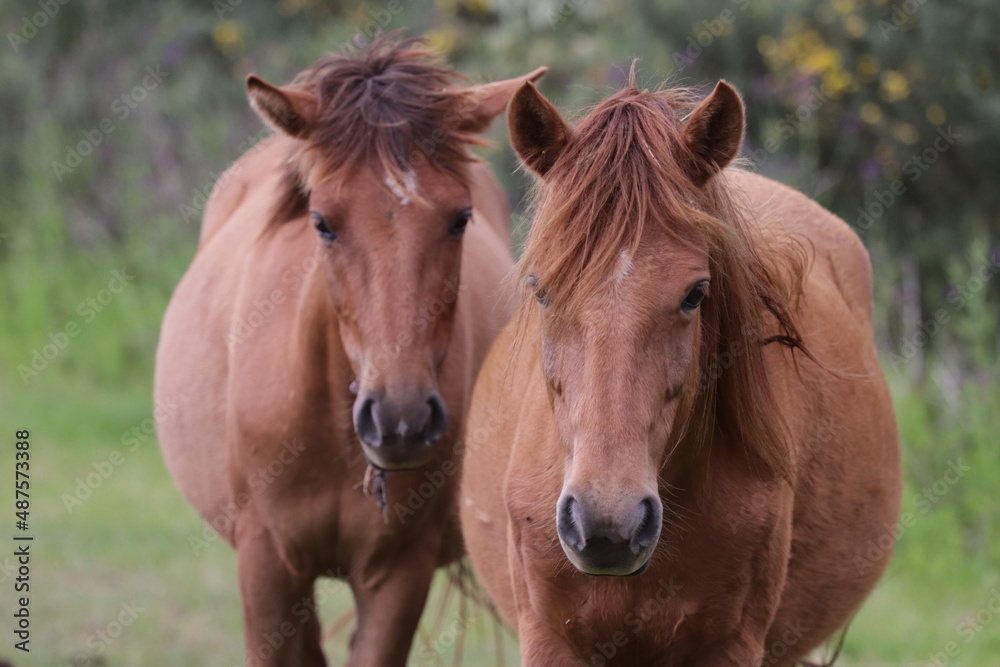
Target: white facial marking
{"points": [[404, 190], [624, 266], [402, 429]]}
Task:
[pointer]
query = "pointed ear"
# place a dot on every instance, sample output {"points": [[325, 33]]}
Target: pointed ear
{"points": [[285, 109], [537, 132], [489, 100], [714, 132]]}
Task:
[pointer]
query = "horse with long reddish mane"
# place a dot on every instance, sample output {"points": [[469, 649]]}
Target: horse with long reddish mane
{"points": [[682, 448], [346, 288]]}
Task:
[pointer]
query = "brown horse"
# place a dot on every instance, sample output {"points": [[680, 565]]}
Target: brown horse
{"points": [[690, 402], [346, 287]]}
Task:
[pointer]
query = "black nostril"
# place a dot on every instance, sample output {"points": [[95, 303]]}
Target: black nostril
{"points": [[649, 525], [567, 526], [437, 423], [364, 422]]}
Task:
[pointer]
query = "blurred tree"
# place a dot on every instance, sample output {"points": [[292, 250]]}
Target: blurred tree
{"points": [[885, 110]]}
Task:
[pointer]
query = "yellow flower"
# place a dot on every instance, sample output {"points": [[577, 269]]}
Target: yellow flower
{"points": [[228, 36], [442, 39], [936, 114], [906, 133], [871, 113], [855, 26], [821, 60], [843, 6], [894, 86], [837, 80]]}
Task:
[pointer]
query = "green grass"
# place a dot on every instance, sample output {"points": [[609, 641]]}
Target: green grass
{"points": [[127, 543]]}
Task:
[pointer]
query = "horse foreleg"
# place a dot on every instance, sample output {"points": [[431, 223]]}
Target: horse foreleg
{"points": [[280, 623], [389, 604]]}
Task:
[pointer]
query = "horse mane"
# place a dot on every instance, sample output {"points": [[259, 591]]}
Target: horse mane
{"points": [[392, 105], [623, 170]]}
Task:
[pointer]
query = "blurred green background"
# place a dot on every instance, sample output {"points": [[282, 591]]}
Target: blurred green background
{"points": [[117, 117]]}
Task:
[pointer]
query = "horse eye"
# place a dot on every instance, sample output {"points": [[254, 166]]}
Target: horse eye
{"points": [[460, 222], [540, 294], [694, 297], [319, 222]]}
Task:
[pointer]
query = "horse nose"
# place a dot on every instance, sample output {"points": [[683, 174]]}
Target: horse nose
{"points": [[397, 435], [600, 543]]}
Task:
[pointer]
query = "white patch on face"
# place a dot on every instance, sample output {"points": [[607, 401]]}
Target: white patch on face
{"points": [[402, 429], [404, 190], [624, 266]]}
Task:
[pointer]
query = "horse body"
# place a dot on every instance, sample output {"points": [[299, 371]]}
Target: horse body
{"points": [[261, 381], [753, 566]]}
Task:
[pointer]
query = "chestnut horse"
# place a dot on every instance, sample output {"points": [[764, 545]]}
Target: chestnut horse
{"points": [[346, 288], [689, 402]]}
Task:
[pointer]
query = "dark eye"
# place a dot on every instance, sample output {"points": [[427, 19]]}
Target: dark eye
{"points": [[319, 222], [694, 297], [540, 294], [460, 222]]}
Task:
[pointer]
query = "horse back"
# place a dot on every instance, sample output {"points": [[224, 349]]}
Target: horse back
{"points": [[839, 415]]}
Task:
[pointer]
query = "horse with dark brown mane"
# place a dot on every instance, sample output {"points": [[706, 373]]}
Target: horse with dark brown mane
{"points": [[346, 288], [688, 403]]}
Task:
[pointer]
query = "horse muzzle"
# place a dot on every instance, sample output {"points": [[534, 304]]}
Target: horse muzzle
{"points": [[604, 544], [399, 435]]}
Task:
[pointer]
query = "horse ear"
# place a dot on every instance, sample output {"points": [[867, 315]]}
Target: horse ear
{"points": [[537, 132], [285, 109], [714, 132], [489, 100]]}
